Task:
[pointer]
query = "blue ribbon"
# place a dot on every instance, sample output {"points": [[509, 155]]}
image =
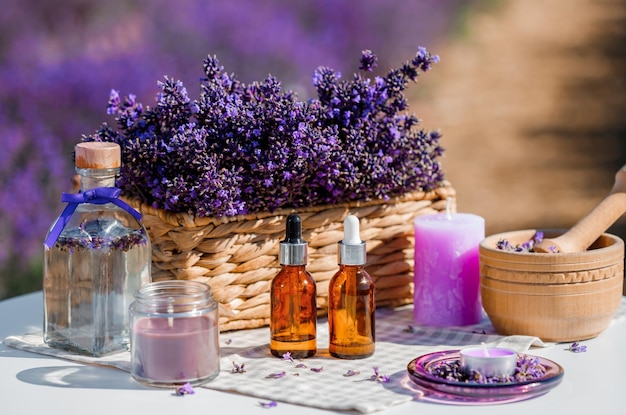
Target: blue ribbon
{"points": [[97, 196]]}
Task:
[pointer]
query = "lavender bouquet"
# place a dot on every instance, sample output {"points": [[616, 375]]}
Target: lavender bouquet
{"points": [[244, 148]]}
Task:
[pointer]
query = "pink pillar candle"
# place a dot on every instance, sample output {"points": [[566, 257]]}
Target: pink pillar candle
{"points": [[489, 361], [446, 270]]}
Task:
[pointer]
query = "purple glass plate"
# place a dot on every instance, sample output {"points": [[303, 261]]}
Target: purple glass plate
{"points": [[467, 393]]}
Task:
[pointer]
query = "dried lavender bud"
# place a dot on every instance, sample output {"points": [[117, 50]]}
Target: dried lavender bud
{"points": [[526, 246], [528, 368]]}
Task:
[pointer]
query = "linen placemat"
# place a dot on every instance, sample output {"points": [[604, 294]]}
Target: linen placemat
{"points": [[321, 381]]}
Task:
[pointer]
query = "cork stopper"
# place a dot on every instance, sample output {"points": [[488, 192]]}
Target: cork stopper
{"points": [[97, 155]]}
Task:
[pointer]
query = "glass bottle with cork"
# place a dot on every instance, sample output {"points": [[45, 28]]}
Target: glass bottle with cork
{"points": [[97, 254], [351, 299], [293, 309]]}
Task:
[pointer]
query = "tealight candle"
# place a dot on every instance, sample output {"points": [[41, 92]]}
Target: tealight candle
{"points": [[174, 334], [489, 361], [446, 270]]}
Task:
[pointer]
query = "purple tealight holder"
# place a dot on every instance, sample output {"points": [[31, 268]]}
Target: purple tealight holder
{"points": [[489, 361]]}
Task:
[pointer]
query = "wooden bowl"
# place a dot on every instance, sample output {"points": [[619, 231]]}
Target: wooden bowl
{"points": [[558, 297]]}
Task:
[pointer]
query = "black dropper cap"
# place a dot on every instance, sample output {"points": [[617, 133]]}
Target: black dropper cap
{"points": [[293, 250]]}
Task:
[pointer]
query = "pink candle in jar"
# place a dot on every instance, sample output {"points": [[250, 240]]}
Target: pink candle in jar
{"points": [[174, 334], [446, 270], [176, 350]]}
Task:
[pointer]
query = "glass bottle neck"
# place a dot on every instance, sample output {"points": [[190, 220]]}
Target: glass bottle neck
{"points": [[94, 178], [358, 267]]}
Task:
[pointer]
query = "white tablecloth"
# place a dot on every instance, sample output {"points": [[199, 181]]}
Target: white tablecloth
{"points": [[398, 341]]}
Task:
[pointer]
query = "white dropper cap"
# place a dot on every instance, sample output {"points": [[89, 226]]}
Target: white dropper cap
{"points": [[352, 250]]}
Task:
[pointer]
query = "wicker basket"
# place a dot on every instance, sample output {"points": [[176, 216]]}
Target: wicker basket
{"points": [[238, 256]]}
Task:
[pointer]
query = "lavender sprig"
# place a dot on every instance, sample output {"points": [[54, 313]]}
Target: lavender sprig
{"points": [[270, 404], [576, 347]]}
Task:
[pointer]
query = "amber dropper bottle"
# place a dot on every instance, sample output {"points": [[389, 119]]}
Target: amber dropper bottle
{"points": [[351, 302], [293, 310]]}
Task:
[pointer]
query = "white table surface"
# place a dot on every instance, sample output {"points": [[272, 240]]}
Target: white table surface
{"points": [[34, 384]]}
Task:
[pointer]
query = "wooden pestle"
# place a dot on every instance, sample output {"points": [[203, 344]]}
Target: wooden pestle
{"points": [[594, 224]]}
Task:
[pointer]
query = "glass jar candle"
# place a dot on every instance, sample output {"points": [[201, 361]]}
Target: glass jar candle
{"points": [[488, 361], [174, 334]]}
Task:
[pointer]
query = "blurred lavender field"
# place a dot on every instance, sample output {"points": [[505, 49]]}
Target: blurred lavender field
{"points": [[60, 59]]}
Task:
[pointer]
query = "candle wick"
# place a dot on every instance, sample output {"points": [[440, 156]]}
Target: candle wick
{"points": [[485, 350], [170, 310], [449, 208]]}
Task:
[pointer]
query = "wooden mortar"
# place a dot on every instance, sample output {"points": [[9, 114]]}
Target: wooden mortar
{"points": [[561, 297]]}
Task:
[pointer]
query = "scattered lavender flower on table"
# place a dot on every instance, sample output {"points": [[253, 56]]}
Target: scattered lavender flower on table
{"points": [[317, 369], [576, 347], [351, 372], [277, 375], [270, 404], [300, 366], [287, 356], [378, 377], [238, 368], [185, 389]]}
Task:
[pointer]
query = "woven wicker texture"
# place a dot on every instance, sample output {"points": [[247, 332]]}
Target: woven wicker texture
{"points": [[238, 256]]}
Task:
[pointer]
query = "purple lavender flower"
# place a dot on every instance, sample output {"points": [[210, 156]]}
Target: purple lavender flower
{"points": [[238, 368], [378, 377], [526, 246], [277, 375], [576, 347], [243, 148], [185, 389], [369, 61], [528, 368]]}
